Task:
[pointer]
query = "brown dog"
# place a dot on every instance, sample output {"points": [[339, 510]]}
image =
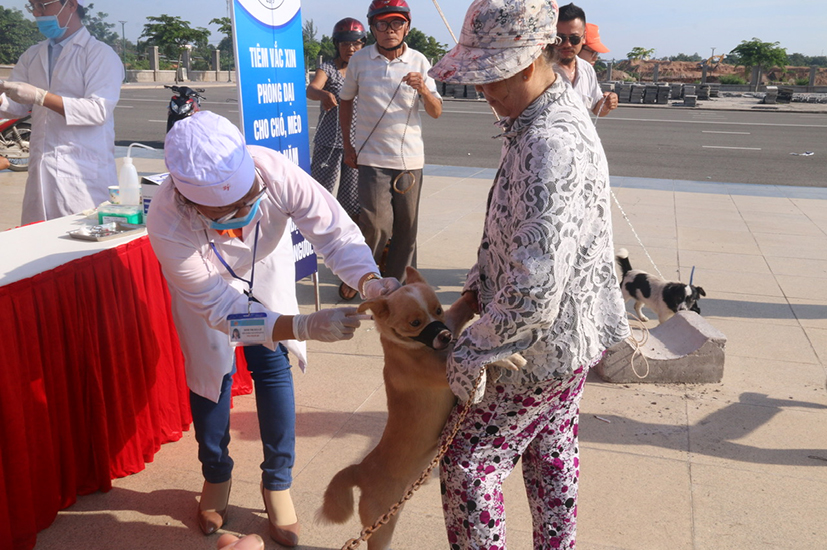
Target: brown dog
{"points": [[416, 345]]}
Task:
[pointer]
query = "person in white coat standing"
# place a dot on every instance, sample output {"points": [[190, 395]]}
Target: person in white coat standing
{"points": [[71, 82], [218, 226]]}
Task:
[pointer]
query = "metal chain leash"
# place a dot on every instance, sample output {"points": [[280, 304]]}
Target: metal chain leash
{"points": [[367, 532]]}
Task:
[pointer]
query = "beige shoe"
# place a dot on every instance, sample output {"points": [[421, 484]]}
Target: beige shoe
{"points": [[212, 509], [274, 501]]}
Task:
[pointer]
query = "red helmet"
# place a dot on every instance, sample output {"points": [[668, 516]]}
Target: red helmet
{"points": [[378, 7], [349, 30]]}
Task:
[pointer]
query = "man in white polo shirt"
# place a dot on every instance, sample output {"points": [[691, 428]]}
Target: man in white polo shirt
{"points": [[571, 33], [390, 79]]}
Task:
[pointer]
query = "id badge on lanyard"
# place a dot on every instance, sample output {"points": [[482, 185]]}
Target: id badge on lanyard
{"points": [[245, 329]]}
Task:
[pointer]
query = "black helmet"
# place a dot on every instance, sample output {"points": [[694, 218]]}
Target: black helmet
{"points": [[349, 30]]}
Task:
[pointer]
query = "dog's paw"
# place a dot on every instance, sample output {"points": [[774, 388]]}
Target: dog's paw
{"points": [[512, 362]]}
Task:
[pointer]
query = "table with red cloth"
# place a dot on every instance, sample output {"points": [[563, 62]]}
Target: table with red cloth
{"points": [[91, 373]]}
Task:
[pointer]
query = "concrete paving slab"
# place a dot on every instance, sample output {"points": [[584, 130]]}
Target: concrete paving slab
{"points": [[809, 314], [766, 340], [715, 282], [705, 204], [818, 339], [641, 502], [769, 515], [717, 240], [742, 263], [798, 267], [803, 287], [755, 432], [774, 309], [754, 381]]}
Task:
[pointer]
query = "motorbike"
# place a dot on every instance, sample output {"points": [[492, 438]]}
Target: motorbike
{"points": [[185, 102], [14, 141]]}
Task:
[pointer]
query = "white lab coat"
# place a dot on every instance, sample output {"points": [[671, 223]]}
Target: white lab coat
{"points": [[72, 159], [203, 291]]}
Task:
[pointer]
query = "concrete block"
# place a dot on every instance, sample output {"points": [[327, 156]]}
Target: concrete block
{"points": [[686, 349]]}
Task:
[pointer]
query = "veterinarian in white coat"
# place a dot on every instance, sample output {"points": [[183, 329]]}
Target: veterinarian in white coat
{"points": [[544, 284], [71, 82], [219, 227]]}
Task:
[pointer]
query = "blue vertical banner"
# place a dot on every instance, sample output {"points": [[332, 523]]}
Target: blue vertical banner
{"points": [[269, 53], [271, 76]]}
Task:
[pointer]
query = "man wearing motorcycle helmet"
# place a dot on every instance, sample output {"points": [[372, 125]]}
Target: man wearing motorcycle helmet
{"points": [[390, 79], [71, 83], [328, 166]]}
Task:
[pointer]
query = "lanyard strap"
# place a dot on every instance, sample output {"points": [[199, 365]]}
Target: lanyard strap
{"points": [[249, 293]]}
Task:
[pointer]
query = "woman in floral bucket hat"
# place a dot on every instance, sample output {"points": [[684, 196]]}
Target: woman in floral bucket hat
{"points": [[544, 284]]}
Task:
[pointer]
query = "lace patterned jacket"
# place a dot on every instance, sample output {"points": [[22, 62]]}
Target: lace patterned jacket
{"points": [[545, 274]]}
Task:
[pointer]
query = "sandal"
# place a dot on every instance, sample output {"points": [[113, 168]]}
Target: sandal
{"points": [[346, 293]]}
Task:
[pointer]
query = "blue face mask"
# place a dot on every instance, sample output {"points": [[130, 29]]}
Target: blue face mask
{"points": [[49, 26], [236, 223]]}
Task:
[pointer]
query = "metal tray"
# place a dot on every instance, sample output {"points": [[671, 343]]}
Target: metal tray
{"points": [[105, 231]]}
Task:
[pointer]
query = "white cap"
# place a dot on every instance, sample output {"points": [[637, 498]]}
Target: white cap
{"points": [[208, 160]]}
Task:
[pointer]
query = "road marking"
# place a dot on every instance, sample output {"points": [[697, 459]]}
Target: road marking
{"points": [[667, 121], [720, 132], [722, 147], [773, 124], [164, 121], [124, 106]]}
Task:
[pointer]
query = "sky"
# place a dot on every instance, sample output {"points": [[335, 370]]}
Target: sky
{"points": [[669, 26]]}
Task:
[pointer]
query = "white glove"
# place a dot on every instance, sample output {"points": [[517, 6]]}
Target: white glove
{"points": [[327, 325], [24, 93], [373, 288], [513, 362]]}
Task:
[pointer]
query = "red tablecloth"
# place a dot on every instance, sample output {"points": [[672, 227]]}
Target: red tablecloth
{"points": [[91, 382]]}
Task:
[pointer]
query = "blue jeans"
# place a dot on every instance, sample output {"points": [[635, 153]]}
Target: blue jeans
{"points": [[276, 408]]}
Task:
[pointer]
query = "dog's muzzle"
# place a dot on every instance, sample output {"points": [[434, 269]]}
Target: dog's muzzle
{"points": [[436, 335]]}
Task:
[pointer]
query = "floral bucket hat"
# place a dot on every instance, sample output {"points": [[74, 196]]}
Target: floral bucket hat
{"points": [[499, 39]]}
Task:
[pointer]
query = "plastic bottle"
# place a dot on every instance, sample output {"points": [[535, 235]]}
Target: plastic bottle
{"points": [[129, 188], [129, 185]]}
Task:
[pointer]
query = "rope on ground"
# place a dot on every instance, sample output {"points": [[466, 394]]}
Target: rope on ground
{"points": [[635, 323]]}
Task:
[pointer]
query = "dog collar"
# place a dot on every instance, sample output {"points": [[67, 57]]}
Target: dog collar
{"points": [[430, 332]]}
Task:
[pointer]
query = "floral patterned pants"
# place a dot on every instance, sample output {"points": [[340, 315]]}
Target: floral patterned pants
{"points": [[537, 423]]}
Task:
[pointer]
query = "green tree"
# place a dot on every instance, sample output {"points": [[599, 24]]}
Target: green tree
{"points": [[641, 53], [327, 49], [101, 29], [683, 57], [754, 53], [426, 45], [311, 45], [171, 34], [225, 27], [801, 60], [17, 34]]}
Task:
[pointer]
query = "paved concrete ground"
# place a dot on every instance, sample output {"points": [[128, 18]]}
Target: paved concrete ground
{"points": [[736, 465]]}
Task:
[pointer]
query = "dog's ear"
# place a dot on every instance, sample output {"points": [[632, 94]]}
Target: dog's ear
{"points": [[413, 276], [378, 306], [700, 291]]}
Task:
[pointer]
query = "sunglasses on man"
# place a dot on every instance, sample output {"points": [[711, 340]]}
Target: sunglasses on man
{"points": [[574, 39]]}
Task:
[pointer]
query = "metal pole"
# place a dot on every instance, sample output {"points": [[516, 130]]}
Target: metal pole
{"points": [[123, 42], [123, 48]]}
